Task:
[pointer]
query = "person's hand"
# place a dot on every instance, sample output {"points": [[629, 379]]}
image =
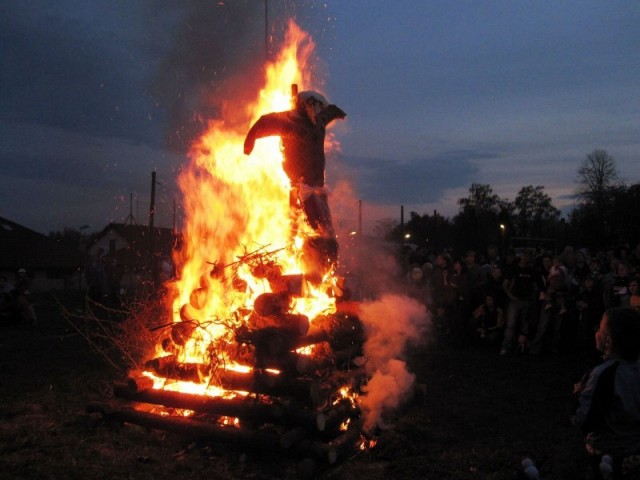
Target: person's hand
{"points": [[336, 112]]}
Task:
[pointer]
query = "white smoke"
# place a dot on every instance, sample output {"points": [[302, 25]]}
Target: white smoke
{"points": [[391, 324]]}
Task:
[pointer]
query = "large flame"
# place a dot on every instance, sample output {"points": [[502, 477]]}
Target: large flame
{"points": [[237, 216]]}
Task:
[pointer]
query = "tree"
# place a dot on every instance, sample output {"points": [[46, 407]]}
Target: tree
{"points": [[624, 215], [596, 176], [599, 186], [386, 229], [535, 216], [430, 232], [481, 199], [480, 216]]}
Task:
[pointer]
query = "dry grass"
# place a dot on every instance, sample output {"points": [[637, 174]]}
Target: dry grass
{"points": [[479, 414]]}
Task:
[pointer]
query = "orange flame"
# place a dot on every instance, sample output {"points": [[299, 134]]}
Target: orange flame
{"points": [[237, 212]]}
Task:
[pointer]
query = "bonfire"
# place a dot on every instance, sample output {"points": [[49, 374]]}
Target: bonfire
{"points": [[254, 349]]}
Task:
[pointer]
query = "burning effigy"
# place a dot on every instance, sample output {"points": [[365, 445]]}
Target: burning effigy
{"points": [[260, 348]]}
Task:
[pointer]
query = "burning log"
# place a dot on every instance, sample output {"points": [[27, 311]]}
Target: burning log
{"points": [[297, 441], [292, 284], [198, 298], [247, 409], [258, 440], [272, 304], [258, 381], [340, 330], [288, 362], [296, 325], [273, 346], [267, 383], [269, 270], [169, 367], [134, 385]]}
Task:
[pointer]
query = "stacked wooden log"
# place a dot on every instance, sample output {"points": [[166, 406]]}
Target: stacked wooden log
{"points": [[287, 401]]}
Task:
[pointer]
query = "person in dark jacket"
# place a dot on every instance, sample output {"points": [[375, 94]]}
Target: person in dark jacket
{"points": [[608, 397]]}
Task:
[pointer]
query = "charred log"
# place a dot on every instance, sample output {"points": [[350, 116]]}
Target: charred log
{"points": [[272, 304], [345, 444], [266, 383], [248, 409], [134, 385], [198, 298], [292, 284], [259, 440], [296, 441], [339, 330], [332, 419], [296, 325]]}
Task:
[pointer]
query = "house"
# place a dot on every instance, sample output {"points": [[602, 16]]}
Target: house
{"points": [[50, 265], [135, 251]]}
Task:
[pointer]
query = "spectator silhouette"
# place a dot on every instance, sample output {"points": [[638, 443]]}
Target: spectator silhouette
{"points": [[488, 321], [521, 287], [443, 292], [608, 397], [553, 308]]}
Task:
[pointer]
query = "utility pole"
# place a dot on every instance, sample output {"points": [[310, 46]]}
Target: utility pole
{"points": [[402, 223], [152, 205], [152, 234]]}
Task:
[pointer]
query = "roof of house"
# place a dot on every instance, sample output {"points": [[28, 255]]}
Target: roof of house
{"points": [[21, 247], [139, 242]]}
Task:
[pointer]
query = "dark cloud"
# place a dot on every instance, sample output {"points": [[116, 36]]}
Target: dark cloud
{"points": [[58, 71], [416, 181], [67, 171]]}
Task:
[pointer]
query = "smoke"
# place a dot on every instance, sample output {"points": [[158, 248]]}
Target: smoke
{"points": [[214, 58], [214, 50], [391, 324]]}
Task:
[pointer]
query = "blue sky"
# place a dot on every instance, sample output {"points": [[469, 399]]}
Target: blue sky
{"points": [[439, 95]]}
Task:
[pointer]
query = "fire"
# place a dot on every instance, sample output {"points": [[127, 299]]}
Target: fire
{"points": [[238, 227], [239, 359]]}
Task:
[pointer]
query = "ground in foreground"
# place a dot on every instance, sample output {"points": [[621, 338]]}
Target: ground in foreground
{"points": [[476, 418]]}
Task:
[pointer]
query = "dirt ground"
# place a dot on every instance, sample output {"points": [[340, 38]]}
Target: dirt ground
{"points": [[476, 418]]}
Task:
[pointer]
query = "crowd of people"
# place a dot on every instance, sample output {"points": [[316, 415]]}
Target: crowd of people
{"points": [[527, 301], [15, 305], [535, 302]]}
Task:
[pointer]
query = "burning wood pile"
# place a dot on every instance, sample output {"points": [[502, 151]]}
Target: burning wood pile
{"points": [[277, 381], [259, 352]]}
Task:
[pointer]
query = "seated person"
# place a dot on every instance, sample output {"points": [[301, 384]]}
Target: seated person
{"points": [[608, 399]]}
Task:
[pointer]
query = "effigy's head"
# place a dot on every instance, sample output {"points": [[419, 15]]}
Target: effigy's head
{"points": [[311, 103]]}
